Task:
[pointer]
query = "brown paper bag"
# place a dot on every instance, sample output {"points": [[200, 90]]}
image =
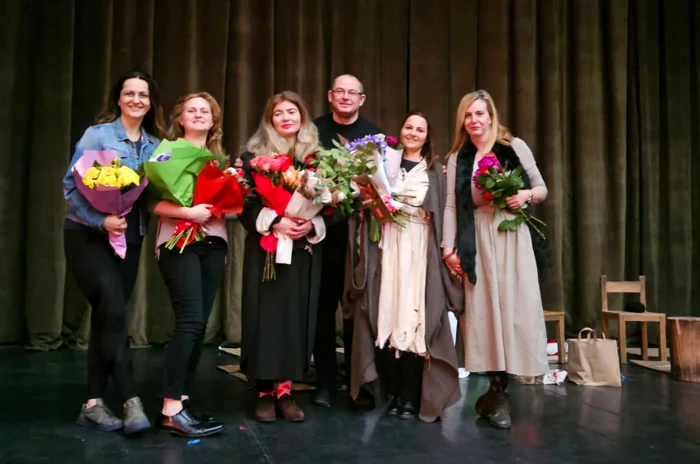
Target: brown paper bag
{"points": [[594, 361]]}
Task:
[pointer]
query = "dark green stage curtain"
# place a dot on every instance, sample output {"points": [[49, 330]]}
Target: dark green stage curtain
{"points": [[606, 93]]}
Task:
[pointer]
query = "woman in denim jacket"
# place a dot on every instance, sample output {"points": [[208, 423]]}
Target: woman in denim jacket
{"points": [[130, 125]]}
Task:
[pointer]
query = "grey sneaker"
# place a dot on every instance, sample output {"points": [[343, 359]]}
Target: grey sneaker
{"points": [[135, 419], [99, 417]]}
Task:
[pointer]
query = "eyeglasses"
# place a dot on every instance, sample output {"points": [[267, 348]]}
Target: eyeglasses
{"points": [[342, 92]]}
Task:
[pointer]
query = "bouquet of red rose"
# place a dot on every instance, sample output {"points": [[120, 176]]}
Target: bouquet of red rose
{"points": [[218, 185], [279, 185], [498, 184], [187, 175]]}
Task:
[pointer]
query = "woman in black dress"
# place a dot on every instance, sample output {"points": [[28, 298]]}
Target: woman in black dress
{"points": [[279, 315]]}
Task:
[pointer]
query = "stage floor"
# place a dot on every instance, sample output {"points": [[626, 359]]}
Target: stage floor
{"points": [[650, 419]]}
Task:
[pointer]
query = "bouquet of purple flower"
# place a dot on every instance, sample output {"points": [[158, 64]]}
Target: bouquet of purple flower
{"points": [[385, 163], [498, 184]]}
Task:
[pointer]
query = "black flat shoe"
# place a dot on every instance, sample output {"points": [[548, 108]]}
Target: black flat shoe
{"points": [[394, 407], [321, 397], [408, 411], [184, 424], [187, 404]]}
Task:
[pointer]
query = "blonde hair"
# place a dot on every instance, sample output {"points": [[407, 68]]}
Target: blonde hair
{"points": [[267, 141], [215, 133], [501, 135]]}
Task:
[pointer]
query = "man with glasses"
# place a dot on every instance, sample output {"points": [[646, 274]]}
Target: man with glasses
{"points": [[343, 124]]}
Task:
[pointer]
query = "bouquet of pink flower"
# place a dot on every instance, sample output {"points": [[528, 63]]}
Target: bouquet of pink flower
{"points": [[498, 184]]}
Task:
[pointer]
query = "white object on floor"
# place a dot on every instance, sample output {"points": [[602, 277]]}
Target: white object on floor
{"points": [[463, 373], [453, 325], [554, 377]]}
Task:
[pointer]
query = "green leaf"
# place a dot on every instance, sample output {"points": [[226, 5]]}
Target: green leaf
{"points": [[490, 184], [327, 169], [504, 226]]}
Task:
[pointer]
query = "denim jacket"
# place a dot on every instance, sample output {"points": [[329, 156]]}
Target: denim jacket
{"points": [[108, 136]]}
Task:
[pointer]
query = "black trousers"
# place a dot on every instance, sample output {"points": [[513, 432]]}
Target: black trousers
{"points": [[106, 281], [404, 375], [192, 278], [332, 284]]}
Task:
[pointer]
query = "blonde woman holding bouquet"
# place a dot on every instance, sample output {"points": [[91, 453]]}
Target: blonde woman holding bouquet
{"points": [[504, 331], [405, 316], [130, 125], [192, 273], [279, 314]]}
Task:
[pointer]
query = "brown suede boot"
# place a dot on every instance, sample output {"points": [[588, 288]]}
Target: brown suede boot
{"points": [[265, 409], [289, 408], [500, 417], [494, 403]]}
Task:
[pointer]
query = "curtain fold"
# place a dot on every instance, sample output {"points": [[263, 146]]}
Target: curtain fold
{"points": [[607, 95]]}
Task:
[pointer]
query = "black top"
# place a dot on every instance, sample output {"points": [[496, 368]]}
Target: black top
{"points": [[133, 218], [337, 229], [408, 164], [328, 130]]}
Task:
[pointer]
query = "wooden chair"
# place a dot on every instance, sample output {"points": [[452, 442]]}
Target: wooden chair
{"points": [[558, 317], [623, 317]]}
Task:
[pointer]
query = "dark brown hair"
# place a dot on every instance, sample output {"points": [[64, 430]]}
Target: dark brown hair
{"points": [[427, 150], [153, 122]]}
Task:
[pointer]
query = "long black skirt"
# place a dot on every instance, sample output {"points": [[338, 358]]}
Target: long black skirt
{"points": [[279, 316]]}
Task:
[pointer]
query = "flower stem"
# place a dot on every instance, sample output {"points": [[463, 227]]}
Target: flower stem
{"points": [[528, 218], [374, 231]]}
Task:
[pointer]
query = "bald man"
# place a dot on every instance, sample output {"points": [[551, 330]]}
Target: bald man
{"points": [[346, 97]]}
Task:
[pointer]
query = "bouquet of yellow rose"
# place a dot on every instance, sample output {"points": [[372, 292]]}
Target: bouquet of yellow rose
{"points": [[112, 175], [109, 187]]}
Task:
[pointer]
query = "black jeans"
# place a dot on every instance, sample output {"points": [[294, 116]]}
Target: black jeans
{"points": [[404, 375], [332, 283], [106, 281], [192, 278]]}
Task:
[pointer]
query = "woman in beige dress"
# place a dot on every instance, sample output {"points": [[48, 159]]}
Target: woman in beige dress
{"points": [[504, 331]]}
